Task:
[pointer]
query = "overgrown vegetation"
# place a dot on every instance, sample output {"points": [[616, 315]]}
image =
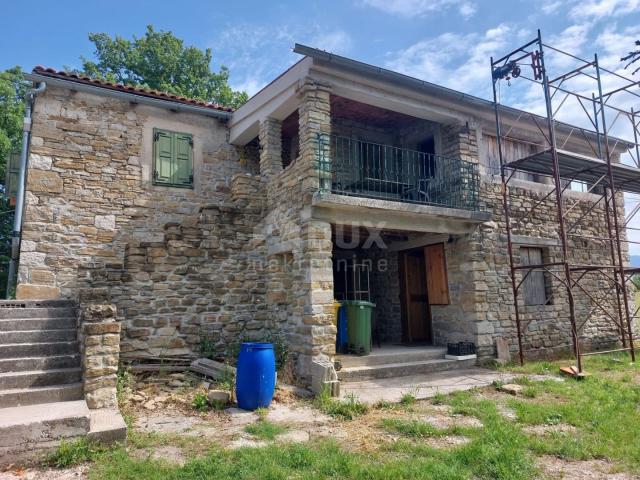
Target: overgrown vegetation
{"points": [[209, 348], [200, 402], [73, 453], [347, 409], [595, 418]]}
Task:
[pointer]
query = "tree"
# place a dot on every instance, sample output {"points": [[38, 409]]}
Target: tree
{"points": [[12, 91], [160, 61], [632, 57]]}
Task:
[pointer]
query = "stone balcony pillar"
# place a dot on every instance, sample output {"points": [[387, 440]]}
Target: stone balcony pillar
{"points": [[270, 148], [314, 118]]}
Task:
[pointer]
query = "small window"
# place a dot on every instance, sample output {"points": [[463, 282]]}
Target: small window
{"points": [[172, 159], [534, 286]]}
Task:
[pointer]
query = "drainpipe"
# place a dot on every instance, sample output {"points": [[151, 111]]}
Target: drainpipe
{"points": [[24, 153]]}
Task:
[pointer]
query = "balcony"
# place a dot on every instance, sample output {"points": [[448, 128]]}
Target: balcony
{"points": [[369, 170]]}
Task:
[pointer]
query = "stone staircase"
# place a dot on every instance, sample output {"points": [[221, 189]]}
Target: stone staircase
{"points": [[39, 353], [41, 390], [397, 361]]}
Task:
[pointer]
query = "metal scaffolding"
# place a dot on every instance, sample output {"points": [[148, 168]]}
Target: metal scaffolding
{"points": [[606, 183]]}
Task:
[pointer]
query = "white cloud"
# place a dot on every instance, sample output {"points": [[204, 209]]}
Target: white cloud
{"points": [[598, 9], [454, 60], [420, 8], [551, 6], [256, 54], [467, 9], [337, 41]]}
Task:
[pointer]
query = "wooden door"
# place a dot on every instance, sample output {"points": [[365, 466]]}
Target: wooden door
{"points": [[416, 301]]}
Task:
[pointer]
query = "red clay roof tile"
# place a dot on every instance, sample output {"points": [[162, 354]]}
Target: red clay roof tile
{"points": [[73, 77]]}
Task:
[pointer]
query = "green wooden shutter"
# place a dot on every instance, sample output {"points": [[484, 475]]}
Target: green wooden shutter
{"points": [[164, 147], [12, 174], [183, 172]]}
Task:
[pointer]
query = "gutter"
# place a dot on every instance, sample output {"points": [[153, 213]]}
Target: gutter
{"points": [[128, 96], [24, 155]]}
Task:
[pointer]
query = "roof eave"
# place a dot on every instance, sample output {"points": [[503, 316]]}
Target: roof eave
{"points": [[131, 97]]}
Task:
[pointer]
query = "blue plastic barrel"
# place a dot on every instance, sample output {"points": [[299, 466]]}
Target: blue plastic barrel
{"points": [[255, 375]]}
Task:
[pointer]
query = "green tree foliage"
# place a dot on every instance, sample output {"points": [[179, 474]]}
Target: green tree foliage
{"points": [[160, 61], [12, 91], [632, 57]]}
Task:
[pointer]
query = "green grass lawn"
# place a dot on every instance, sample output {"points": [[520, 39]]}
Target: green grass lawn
{"points": [[602, 412]]}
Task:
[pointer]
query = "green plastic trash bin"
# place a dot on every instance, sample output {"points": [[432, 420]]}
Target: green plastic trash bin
{"points": [[359, 326]]}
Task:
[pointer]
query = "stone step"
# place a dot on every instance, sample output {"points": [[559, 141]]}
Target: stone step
{"points": [[387, 356], [30, 396], [33, 430], [21, 324], [34, 336], [39, 363], [14, 304], [39, 378], [38, 349], [403, 369], [51, 312]]}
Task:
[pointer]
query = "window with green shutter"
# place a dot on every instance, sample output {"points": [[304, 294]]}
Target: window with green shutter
{"points": [[172, 159]]}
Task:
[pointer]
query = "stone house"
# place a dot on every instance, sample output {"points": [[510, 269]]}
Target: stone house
{"points": [[204, 226]]}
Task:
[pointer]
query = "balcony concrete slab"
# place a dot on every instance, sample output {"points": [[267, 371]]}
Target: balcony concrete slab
{"points": [[352, 210]]}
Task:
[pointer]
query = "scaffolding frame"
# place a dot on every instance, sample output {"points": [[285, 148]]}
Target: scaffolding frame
{"points": [[598, 108]]}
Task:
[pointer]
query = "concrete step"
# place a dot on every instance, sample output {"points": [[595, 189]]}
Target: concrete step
{"points": [[34, 429], [390, 355], [33, 336], [30, 396], [21, 324], [403, 369], [107, 426], [38, 349], [51, 312], [39, 363], [39, 378]]}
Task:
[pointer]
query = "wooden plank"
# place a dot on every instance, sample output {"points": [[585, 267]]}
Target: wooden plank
{"points": [[437, 280]]}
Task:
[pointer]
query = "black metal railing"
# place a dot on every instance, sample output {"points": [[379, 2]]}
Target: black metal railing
{"points": [[352, 167]]}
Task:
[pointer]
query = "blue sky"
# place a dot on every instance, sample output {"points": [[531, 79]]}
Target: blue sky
{"points": [[444, 41]]}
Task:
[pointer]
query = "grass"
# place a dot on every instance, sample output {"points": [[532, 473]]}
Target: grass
{"points": [[76, 452], [265, 430], [346, 409], [602, 410]]}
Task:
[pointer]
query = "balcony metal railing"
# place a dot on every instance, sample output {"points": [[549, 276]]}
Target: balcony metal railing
{"points": [[352, 167]]}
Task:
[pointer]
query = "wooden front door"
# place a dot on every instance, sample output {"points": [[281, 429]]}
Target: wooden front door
{"points": [[416, 312]]}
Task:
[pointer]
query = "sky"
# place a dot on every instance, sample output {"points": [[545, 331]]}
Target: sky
{"points": [[448, 42]]}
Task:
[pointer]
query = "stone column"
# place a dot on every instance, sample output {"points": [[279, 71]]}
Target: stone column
{"points": [[270, 148], [316, 330], [314, 118], [100, 348]]}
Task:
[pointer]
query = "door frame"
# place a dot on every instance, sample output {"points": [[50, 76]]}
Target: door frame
{"points": [[404, 298]]}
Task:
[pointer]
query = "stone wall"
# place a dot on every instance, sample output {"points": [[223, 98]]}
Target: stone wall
{"points": [[179, 264], [547, 330]]}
